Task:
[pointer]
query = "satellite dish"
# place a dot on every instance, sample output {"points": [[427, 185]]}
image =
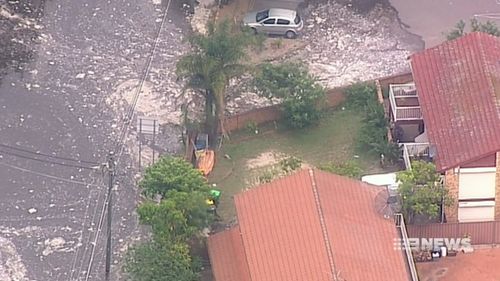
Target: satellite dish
{"points": [[387, 204]]}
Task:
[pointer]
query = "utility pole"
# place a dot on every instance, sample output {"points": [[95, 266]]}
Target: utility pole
{"points": [[111, 172]]}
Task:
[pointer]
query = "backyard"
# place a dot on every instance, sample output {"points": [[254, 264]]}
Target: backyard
{"points": [[248, 155]]}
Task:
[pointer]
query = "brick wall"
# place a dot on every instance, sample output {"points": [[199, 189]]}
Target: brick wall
{"points": [[497, 189], [334, 97], [451, 183]]}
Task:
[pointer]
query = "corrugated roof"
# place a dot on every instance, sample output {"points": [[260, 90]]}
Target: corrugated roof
{"points": [[311, 225], [227, 256], [458, 84]]}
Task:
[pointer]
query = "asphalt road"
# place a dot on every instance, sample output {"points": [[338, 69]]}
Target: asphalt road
{"points": [[51, 214], [431, 18]]}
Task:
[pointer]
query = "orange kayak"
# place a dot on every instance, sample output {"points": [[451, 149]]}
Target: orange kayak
{"points": [[206, 161]]}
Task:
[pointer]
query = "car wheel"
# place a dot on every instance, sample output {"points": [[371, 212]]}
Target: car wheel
{"points": [[290, 34], [254, 30]]}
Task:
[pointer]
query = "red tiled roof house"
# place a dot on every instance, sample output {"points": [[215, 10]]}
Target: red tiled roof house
{"points": [[450, 114], [310, 225]]}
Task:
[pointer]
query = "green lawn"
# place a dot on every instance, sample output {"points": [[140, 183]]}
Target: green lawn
{"points": [[333, 140]]}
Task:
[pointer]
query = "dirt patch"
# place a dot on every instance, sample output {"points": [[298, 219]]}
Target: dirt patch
{"points": [[265, 159]]}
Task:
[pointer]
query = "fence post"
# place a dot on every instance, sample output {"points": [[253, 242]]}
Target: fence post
{"points": [[494, 236]]}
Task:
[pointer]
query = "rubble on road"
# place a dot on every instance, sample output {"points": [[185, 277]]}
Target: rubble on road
{"points": [[344, 47], [341, 47]]}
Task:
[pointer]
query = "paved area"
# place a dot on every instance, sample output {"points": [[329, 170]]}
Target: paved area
{"points": [[430, 18], [69, 101], [479, 265]]}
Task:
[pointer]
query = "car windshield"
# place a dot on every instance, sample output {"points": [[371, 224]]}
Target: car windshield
{"points": [[297, 19], [262, 15]]}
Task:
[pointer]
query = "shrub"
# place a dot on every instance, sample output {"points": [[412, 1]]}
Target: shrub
{"points": [[290, 164], [360, 95], [459, 30], [298, 91], [171, 173], [349, 169]]}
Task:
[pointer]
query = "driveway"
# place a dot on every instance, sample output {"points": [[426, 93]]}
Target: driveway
{"points": [[69, 102], [430, 18], [480, 265]]}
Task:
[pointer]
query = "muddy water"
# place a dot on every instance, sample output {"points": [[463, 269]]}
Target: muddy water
{"points": [[430, 18], [54, 102]]}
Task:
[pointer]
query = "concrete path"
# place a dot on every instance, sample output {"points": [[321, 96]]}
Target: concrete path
{"points": [[431, 18]]}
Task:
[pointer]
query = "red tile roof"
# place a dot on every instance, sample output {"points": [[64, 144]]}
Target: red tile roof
{"points": [[307, 226], [360, 236], [458, 84], [227, 255]]}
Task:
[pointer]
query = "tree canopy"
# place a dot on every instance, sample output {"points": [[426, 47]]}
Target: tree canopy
{"points": [[152, 261], [178, 217], [176, 220], [216, 58], [421, 191], [171, 173], [459, 30], [297, 90]]}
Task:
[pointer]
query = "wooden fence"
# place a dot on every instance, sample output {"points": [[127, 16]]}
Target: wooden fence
{"points": [[481, 233]]}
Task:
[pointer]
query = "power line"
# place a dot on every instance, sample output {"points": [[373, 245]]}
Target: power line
{"points": [[131, 110], [120, 144], [48, 161], [48, 155], [47, 175]]}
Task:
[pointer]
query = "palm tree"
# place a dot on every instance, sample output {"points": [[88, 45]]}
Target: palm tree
{"points": [[215, 60]]}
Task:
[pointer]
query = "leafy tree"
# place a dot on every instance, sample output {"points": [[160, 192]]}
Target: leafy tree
{"points": [[214, 61], [421, 191], [459, 30], [180, 216], [171, 173], [296, 88], [152, 261]]}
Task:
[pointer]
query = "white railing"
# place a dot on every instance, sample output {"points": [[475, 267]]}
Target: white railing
{"points": [[408, 113], [411, 150], [404, 112], [400, 224], [403, 90]]}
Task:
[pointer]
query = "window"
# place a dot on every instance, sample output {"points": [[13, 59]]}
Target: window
{"points": [[270, 21], [262, 15], [297, 19], [283, 22]]}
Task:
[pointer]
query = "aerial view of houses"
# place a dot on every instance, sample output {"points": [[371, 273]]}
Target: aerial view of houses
{"points": [[250, 140]]}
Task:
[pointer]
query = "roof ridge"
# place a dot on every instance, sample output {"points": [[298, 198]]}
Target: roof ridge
{"points": [[324, 230], [240, 236]]}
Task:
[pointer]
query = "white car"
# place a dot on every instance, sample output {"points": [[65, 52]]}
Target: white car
{"points": [[275, 21]]}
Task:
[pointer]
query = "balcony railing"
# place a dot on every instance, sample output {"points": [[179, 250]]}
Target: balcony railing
{"points": [[414, 150], [401, 91]]}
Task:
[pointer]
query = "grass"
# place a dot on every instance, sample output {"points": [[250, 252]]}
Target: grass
{"points": [[333, 140]]}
